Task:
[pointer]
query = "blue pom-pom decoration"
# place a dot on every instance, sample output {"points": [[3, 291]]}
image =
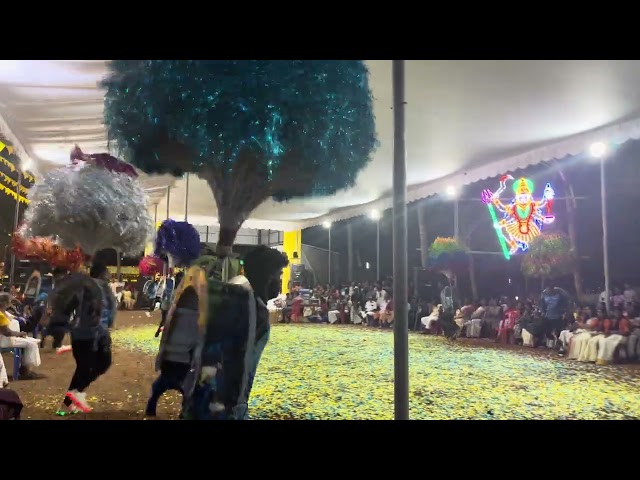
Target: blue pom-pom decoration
{"points": [[180, 240], [309, 119]]}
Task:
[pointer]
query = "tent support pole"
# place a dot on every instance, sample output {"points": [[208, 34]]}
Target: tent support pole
{"points": [[166, 264], [186, 201], [168, 199], [400, 271], [16, 216]]}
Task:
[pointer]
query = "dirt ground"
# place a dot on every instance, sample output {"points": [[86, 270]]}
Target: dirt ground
{"points": [[121, 394]]}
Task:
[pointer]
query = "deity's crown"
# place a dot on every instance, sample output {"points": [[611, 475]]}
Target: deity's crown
{"points": [[523, 185]]}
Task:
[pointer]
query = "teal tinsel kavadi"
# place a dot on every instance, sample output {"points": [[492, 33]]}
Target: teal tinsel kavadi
{"points": [[296, 119]]}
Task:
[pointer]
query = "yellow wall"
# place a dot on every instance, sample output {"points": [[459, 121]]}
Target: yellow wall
{"points": [[292, 242]]}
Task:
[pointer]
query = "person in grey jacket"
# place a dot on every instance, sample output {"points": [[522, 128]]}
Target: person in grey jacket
{"points": [[92, 300], [177, 346]]}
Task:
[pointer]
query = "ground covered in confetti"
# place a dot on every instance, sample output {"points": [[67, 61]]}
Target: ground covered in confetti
{"points": [[120, 394], [346, 372]]}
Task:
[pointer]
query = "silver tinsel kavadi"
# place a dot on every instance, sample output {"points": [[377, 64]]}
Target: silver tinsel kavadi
{"points": [[90, 207]]}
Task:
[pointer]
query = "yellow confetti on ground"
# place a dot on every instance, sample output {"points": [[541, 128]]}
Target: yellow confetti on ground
{"points": [[325, 372]]}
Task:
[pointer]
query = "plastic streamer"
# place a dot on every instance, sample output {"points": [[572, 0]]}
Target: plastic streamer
{"points": [[89, 206], [150, 265], [103, 160], [46, 250]]}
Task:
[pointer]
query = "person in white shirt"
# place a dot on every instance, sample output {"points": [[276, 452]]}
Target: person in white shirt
{"points": [[382, 304], [4, 378], [333, 316], [431, 319], [474, 326], [370, 308], [380, 295]]}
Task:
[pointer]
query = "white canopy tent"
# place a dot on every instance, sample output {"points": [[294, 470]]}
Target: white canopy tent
{"points": [[465, 121]]}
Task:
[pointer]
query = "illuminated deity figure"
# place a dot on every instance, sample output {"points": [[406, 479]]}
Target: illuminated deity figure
{"points": [[524, 217]]}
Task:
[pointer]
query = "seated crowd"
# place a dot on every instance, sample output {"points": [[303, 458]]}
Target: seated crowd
{"points": [[580, 332], [586, 333], [359, 304], [13, 335]]}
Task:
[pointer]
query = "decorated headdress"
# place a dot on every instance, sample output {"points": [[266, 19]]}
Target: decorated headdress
{"points": [[522, 186], [179, 241]]}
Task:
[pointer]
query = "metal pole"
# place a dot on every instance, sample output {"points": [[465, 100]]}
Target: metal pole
{"points": [[605, 242], [168, 198], [155, 221], [378, 251], [456, 219], [165, 270], [351, 277], [5, 261], [400, 281], [186, 201], [118, 266], [207, 237], [15, 226], [329, 256]]}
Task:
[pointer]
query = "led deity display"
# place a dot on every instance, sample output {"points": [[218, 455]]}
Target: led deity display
{"points": [[523, 218]]}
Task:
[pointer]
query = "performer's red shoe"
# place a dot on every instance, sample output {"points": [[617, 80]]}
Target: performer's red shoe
{"points": [[79, 400]]}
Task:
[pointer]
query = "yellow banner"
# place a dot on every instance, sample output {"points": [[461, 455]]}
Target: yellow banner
{"points": [[11, 181], [12, 193], [124, 270], [12, 167], [128, 274], [2, 145]]}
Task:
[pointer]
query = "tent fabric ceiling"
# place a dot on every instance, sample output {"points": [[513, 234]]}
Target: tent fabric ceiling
{"points": [[465, 121]]}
